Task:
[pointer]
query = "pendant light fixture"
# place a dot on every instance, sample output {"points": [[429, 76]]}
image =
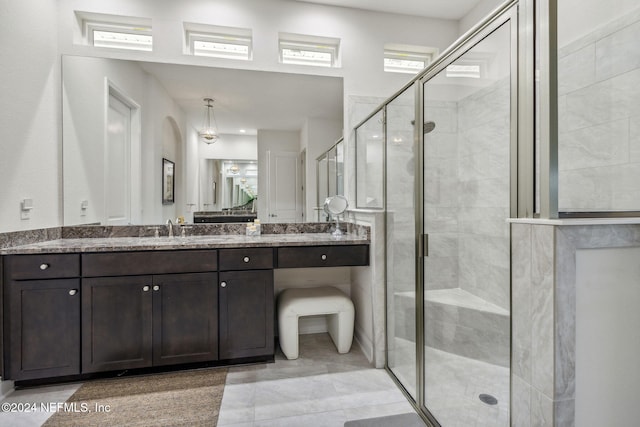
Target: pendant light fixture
{"points": [[209, 131]]}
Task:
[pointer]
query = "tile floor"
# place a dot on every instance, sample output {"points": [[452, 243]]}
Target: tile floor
{"points": [[320, 388], [453, 384]]}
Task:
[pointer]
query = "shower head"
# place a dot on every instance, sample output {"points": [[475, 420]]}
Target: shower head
{"points": [[429, 126]]}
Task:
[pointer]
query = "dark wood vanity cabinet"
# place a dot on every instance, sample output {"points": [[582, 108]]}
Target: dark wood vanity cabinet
{"points": [[246, 303], [69, 314], [140, 321], [246, 314], [42, 316], [323, 256]]}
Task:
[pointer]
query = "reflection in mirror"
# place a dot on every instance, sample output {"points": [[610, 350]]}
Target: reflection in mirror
{"points": [[229, 191], [120, 118], [330, 166]]}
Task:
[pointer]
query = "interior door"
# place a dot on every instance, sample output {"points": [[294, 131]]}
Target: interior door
{"points": [[284, 202], [117, 163]]}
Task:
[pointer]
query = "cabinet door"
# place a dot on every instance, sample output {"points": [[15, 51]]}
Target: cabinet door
{"points": [[44, 328], [185, 318], [246, 313], [116, 323]]}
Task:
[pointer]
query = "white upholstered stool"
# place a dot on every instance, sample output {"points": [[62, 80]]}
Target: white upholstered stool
{"points": [[297, 302]]}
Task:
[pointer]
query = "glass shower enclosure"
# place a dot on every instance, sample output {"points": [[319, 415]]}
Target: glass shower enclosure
{"points": [[446, 144]]}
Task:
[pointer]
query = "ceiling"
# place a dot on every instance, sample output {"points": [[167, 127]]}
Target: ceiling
{"points": [[250, 100], [442, 9]]}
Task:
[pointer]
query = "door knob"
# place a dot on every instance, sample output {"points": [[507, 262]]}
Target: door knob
{"points": [[245, 259], [223, 284], [72, 292], [156, 288], [145, 288], [44, 266]]}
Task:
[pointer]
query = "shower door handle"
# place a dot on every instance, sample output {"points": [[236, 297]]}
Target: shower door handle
{"points": [[424, 245]]}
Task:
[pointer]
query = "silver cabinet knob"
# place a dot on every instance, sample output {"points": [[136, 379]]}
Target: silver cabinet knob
{"points": [[44, 266], [223, 284], [156, 288], [323, 257], [245, 259], [72, 292], [146, 288]]}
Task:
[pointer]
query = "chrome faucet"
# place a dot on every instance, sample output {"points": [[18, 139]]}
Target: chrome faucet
{"points": [[170, 227]]}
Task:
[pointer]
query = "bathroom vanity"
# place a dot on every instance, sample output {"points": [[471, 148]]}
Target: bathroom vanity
{"points": [[87, 305]]}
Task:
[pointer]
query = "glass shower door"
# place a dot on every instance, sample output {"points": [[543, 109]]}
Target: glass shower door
{"points": [[400, 231], [467, 138]]}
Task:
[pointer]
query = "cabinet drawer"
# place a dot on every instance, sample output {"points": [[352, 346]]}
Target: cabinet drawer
{"points": [[323, 256], [158, 262], [246, 259], [42, 266]]}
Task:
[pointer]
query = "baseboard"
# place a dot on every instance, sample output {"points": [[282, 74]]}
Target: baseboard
{"points": [[366, 345], [6, 388]]}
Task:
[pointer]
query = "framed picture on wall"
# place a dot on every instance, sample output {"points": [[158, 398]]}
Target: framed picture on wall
{"points": [[168, 181]]}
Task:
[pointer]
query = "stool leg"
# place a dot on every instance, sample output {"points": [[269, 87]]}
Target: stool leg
{"points": [[288, 336], [340, 327]]}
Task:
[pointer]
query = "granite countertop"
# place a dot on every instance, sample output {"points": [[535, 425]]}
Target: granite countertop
{"points": [[113, 244]]}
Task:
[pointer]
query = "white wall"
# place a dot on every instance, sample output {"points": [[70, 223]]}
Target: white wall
{"points": [[578, 18], [30, 121], [230, 147], [162, 135], [607, 337], [271, 140], [475, 15]]}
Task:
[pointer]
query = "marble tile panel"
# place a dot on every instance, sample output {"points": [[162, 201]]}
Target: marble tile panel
{"points": [[634, 139], [603, 102], [440, 218], [565, 319], [443, 244], [594, 146], [542, 309], [626, 191], [441, 273], [441, 193], [520, 402], [485, 165], [485, 105], [541, 410], [565, 413], [488, 282], [484, 193], [577, 69], [441, 145], [618, 53], [488, 136], [444, 114], [521, 301], [585, 189], [485, 221]]}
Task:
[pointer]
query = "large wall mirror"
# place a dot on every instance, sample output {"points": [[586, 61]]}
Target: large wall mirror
{"points": [[121, 118]]}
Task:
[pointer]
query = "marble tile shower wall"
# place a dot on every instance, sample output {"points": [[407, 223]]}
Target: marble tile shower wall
{"points": [[599, 118], [400, 195], [483, 193], [467, 194], [440, 193]]}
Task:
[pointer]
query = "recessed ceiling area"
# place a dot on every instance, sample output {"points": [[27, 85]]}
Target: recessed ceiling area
{"points": [[250, 100], [441, 9]]}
